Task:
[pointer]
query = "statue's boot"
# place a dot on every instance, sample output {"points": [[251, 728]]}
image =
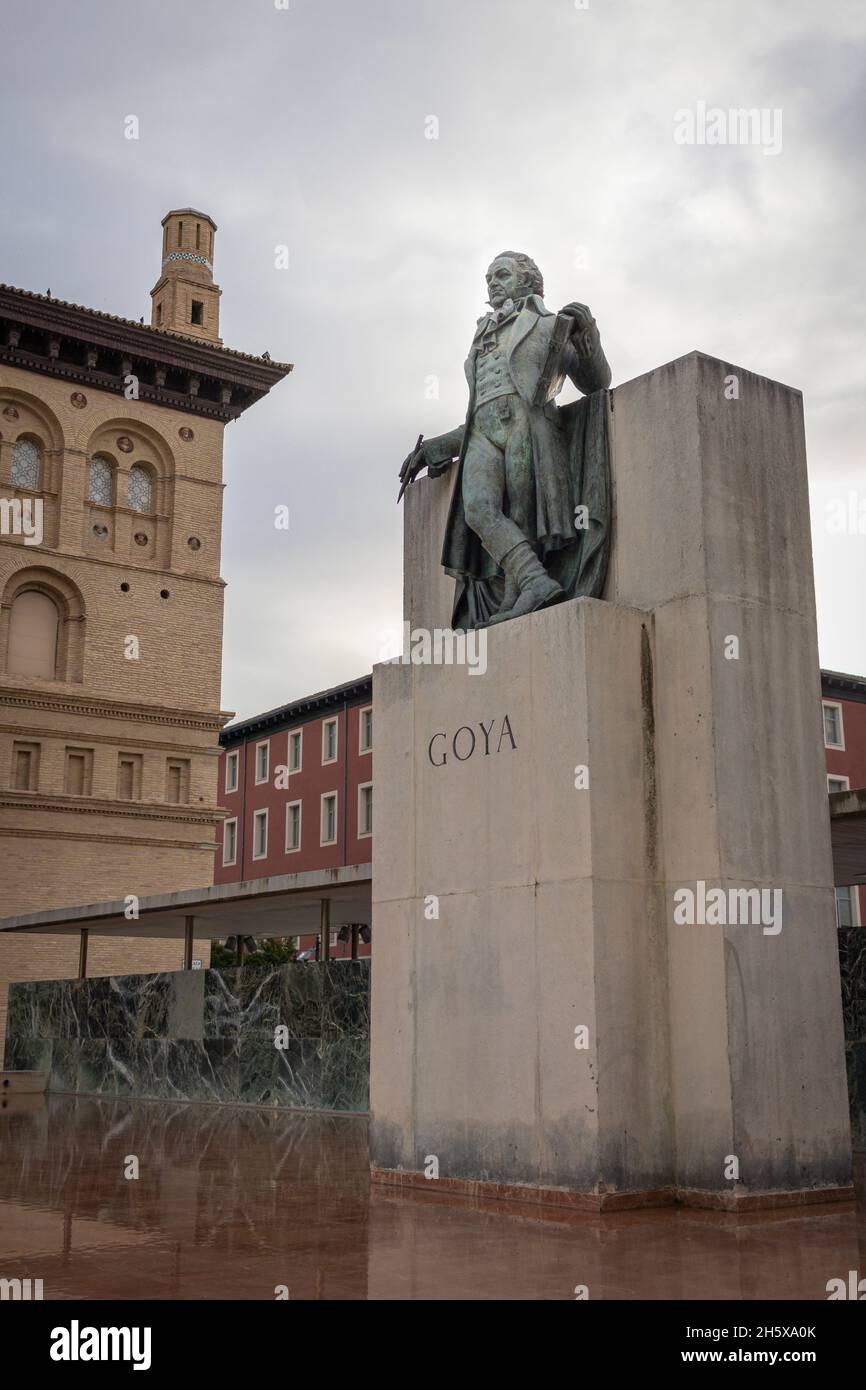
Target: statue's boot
{"points": [[510, 594], [535, 586]]}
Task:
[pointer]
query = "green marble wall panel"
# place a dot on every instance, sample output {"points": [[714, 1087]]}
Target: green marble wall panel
{"points": [[203, 1035], [345, 1001], [852, 966], [242, 1000], [346, 1074], [301, 993]]}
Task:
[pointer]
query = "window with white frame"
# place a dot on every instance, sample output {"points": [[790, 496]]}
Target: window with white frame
{"points": [[262, 758], [329, 818], [230, 842], [834, 733], [838, 784], [293, 827], [329, 741], [231, 772], [295, 750], [847, 908], [365, 810], [365, 730], [260, 834]]}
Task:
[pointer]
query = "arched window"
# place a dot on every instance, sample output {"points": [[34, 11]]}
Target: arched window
{"points": [[100, 481], [33, 625], [140, 489], [26, 464]]}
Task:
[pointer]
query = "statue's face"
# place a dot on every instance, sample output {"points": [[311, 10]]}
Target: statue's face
{"points": [[502, 282]]}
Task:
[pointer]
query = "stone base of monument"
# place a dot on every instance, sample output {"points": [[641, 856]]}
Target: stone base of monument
{"points": [[531, 1195], [524, 924], [605, 970]]}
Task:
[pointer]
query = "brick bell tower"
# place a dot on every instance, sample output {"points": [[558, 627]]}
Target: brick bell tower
{"points": [[185, 298]]}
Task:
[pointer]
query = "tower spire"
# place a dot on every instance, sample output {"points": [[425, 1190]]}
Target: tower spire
{"points": [[185, 298]]}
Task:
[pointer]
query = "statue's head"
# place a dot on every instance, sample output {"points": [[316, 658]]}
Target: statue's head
{"points": [[512, 276]]}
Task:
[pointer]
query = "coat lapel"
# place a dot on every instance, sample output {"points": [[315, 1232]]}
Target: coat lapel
{"points": [[526, 321], [469, 364]]}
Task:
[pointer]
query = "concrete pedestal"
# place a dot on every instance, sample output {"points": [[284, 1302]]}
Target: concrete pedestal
{"points": [[541, 1020]]}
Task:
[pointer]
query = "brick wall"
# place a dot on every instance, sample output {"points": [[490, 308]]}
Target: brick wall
{"points": [[59, 848]]}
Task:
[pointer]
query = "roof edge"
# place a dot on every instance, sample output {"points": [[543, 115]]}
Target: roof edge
{"points": [[358, 689]]}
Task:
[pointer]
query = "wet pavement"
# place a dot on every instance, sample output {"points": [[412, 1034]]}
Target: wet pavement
{"points": [[232, 1202]]}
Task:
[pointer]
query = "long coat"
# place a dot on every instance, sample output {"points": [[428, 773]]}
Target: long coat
{"points": [[463, 555]]}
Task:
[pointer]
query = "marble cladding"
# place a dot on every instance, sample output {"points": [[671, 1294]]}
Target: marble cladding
{"points": [[852, 962], [202, 1035]]}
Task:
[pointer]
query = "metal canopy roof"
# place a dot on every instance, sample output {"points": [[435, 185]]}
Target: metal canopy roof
{"points": [[285, 905], [290, 904]]}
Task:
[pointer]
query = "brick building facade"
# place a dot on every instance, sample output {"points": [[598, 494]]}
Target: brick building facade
{"points": [[296, 784], [843, 701], [279, 770], [111, 601]]}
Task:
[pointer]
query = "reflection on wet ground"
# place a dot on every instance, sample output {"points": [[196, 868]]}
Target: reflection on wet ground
{"points": [[234, 1201]]}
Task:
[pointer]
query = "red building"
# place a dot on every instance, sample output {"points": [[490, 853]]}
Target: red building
{"points": [[844, 705], [297, 786]]}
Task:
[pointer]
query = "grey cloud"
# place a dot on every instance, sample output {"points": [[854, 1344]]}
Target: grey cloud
{"points": [[306, 128]]}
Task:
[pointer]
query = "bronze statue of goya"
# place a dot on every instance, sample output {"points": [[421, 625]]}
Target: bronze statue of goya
{"points": [[529, 523]]}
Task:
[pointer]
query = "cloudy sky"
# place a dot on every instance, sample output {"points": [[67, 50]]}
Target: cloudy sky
{"points": [[307, 127]]}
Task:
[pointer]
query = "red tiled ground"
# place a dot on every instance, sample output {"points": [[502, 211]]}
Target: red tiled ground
{"points": [[233, 1201]]}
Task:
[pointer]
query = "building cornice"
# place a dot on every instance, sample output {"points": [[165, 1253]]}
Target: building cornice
{"points": [[113, 740], [838, 685], [88, 705], [299, 711], [56, 338], [104, 806], [97, 835]]}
